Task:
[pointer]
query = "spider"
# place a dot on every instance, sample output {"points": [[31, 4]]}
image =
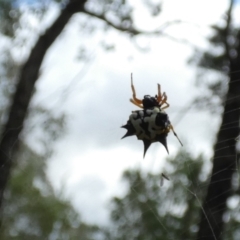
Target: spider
{"points": [[151, 124]]}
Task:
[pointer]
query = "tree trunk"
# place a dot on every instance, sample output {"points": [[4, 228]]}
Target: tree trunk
{"points": [[224, 160], [24, 90]]}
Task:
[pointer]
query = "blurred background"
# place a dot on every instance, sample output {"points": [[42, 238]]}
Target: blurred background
{"points": [[72, 177]]}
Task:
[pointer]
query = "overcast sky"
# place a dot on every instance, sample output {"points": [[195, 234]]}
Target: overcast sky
{"points": [[90, 158]]}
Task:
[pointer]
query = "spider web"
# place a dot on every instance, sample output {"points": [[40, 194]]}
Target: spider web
{"points": [[188, 182], [175, 204], [192, 183]]}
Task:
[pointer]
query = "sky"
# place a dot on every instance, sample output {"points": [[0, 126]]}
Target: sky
{"points": [[89, 159]]}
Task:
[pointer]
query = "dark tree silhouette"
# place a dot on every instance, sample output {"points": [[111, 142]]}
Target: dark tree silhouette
{"points": [[224, 159], [24, 90]]}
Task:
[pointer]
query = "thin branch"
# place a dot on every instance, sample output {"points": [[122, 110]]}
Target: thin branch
{"points": [[130, 30]]}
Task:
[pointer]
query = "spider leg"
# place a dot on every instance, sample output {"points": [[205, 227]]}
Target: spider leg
{"points": [[167, 105], [171, 127], [164, 101], [135, 99], [159, 96], [135, 103]]}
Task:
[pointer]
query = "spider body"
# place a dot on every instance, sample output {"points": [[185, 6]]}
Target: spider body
{"points": [[149, 102], [151, 124]]}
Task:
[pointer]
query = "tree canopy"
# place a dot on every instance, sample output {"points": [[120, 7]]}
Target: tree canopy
{"points": [[32, 209], [149, 211]]}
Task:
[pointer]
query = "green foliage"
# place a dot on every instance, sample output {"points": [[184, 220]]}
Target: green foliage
{"points": [[148, 211], [232, 215], [222, 45], [32, 210], [214, 64], [8, 16]]}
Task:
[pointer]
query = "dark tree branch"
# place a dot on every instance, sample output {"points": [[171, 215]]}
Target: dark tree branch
{"points": [[25, 88], [130, 30], [135, 32], [117, 27]]}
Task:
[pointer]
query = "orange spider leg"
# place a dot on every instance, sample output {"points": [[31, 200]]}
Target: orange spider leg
{"points": [[171, 127], [135, 100], [135, 103], [159, 96], [164, 101]]}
